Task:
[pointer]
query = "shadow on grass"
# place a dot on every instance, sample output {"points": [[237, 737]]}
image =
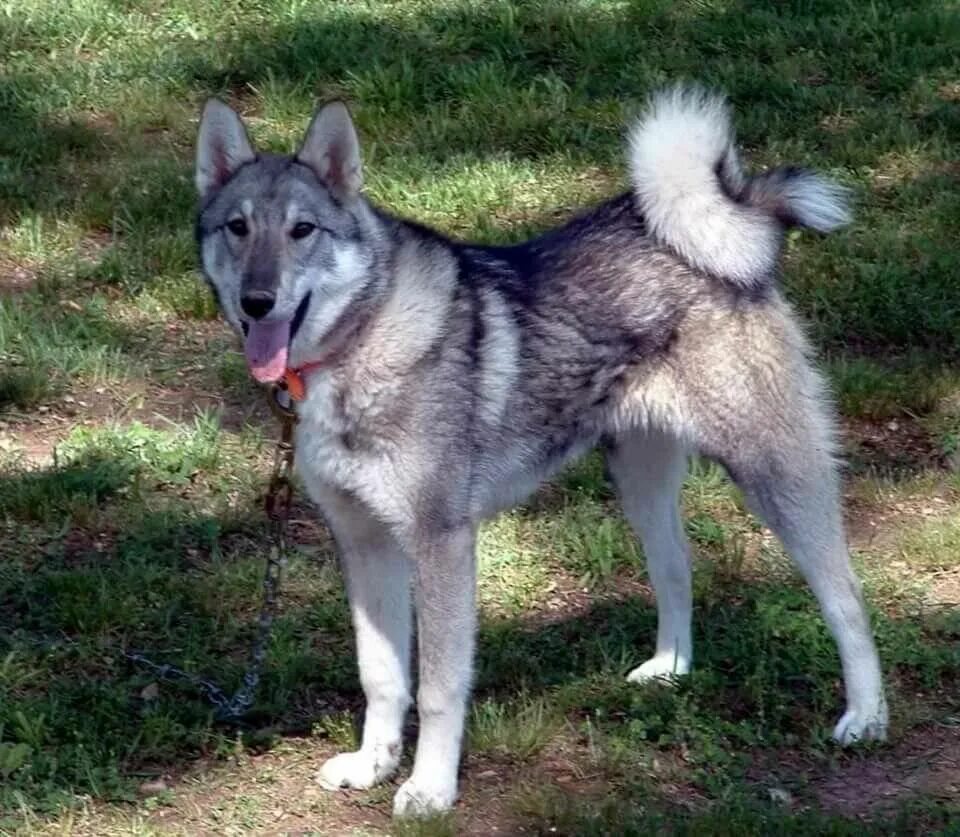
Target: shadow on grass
{"points": [[124, 570], [463, 68], [38, 150], [452, 84], [766, 54], [482, 82]]}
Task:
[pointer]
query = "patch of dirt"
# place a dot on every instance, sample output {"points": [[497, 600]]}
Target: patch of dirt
{"points": [[15, 277], [182, 359], [268, 794], [79, 545], [950, 91], [838, 123], [945, 588], [895, 169], [926, 761], [32, 435], [274, 793], [569, 599], [880, 525], [894, 449], [892, 446], [866, 784]]}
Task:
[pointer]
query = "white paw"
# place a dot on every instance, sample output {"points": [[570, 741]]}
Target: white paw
{"points": [[355, 770], [421, 799], [862, 725], [662, 667]]}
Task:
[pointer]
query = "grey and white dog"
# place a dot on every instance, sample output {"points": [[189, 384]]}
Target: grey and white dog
{"points": [[444, 381]]}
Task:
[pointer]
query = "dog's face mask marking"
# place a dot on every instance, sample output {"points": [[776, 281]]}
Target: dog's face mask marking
{"points": [[279, 235]]}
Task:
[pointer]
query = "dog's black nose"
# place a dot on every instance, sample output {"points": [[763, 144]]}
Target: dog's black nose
{"points": [[257, 304]]}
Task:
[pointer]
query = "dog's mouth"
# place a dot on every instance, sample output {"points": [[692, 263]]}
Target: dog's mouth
{"points": [[299, 314], [267, 344]]}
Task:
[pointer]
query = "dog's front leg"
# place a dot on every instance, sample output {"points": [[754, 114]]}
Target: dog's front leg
{"points": [[444, 585], [377, 573]]}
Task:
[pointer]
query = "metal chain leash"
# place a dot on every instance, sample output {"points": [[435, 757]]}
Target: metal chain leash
{"points": [[278, 501]]}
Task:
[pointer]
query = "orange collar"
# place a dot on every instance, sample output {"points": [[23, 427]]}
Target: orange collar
{"points": [[293, 379]]}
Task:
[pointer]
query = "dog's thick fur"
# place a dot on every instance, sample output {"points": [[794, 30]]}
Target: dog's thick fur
{"points": [[453, 378]]}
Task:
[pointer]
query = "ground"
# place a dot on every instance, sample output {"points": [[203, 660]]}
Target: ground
{"points": [[134, 450]]}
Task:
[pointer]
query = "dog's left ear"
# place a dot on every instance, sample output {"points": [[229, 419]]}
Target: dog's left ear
{"points": [[332, 150]]}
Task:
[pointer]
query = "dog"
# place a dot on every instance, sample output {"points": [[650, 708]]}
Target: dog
{"points": [[441, 382]]}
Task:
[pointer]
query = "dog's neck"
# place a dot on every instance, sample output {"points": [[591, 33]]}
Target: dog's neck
{"points": [[396, 319]]}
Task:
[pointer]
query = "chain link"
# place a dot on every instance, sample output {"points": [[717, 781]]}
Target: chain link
{"points": [[278, 502]]}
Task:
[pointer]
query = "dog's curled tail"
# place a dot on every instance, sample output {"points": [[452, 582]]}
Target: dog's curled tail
{"points": [[696, 199]]}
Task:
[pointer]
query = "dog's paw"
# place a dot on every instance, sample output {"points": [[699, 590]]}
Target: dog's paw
{"points": [[859, 725], [357, 770], [423, 799], [663, 668]]}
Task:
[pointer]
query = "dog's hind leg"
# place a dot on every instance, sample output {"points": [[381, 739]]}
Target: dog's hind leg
{"points": [[759, 408], [648, 468], [377, 574], [797, 493]]}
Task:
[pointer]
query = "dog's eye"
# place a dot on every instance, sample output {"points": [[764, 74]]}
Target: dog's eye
{"points": [[238, 227], [302, 230]]}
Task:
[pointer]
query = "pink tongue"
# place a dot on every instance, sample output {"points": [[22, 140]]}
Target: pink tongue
{"points": [[266, 350]]}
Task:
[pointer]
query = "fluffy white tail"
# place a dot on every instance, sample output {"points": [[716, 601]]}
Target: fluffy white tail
{"points": [[696, 199]]}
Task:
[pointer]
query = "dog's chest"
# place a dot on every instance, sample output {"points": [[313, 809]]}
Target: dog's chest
{"points": [[326, 429], [340, 438]]}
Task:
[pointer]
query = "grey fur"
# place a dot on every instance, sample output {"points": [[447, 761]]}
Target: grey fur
{"points": [[458, 377]]}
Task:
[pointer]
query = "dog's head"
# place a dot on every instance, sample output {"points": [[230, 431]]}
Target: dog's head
{"points": [[285, 242]]}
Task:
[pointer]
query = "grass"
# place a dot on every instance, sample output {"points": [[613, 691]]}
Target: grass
{"points": [[739, 817], [133, 462]]}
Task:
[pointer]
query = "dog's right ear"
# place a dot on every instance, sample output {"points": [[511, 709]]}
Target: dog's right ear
{"points": [[222, 147]]}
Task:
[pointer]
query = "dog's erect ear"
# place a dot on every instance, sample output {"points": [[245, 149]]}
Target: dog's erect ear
{"points": [[222, 147], [332, 150]]}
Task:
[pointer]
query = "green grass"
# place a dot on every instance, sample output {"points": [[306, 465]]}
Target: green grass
{"points": [[492, 121], [633, 815], [516, 731]]}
